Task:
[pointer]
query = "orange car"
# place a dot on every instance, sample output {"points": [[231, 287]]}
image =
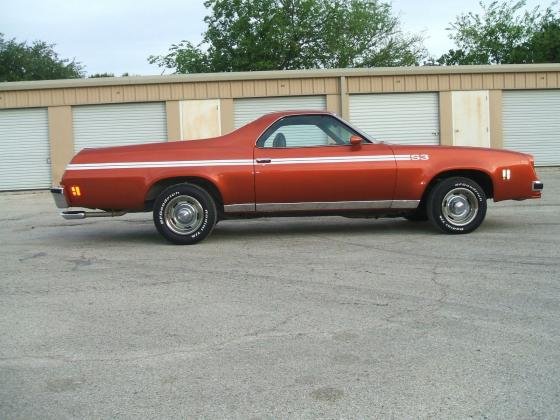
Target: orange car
{"points": [[296, 163]]}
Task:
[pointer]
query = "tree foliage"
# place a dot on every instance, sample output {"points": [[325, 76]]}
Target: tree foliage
{"points": [[246, 35], [505, 33], [38, 61]]}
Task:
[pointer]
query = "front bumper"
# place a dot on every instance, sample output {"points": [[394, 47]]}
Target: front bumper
{"points": [[59, 197]]}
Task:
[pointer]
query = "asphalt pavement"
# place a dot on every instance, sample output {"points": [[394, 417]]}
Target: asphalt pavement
{"points": [[280, 318]]}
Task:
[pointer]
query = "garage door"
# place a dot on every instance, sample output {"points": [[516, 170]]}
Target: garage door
{"points": [[532, 124], [402, 118], [247, 110], [118, 125], [24, 149]]}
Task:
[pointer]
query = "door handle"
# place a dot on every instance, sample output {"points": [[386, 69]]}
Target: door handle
{"points": [[263, 160]]}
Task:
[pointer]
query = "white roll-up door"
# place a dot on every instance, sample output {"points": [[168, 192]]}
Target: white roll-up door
{"points": [[531, 124], [249, 109], [401, 118], [24, 149], [119, 124]]}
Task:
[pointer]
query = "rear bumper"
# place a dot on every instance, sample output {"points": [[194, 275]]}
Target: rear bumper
{"points": [[537, 186], [59, 197]]}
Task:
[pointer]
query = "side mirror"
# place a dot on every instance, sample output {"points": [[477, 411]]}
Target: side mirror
{"points": [[355, 141]]}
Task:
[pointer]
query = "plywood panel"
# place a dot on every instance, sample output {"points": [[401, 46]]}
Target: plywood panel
{"points": [[471, 118], [200, 119]]}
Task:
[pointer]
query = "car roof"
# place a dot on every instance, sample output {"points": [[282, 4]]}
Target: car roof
{"points": [[285, 113]]}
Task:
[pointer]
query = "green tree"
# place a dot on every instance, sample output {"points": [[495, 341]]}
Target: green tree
{"points": [[247, 35], [545, 43], [505, 33], [38, 61], [100, 75]]}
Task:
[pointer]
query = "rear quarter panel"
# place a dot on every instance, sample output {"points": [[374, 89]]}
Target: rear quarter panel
{"points": [[413, 176]]}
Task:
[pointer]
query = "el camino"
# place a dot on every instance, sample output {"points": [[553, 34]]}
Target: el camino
{"points": [[296, 163]]}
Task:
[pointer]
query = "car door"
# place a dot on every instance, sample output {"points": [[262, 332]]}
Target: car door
{"points": [[306, 162]]}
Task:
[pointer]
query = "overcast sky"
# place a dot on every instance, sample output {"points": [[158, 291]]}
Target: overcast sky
{"points": [[117, 36]]}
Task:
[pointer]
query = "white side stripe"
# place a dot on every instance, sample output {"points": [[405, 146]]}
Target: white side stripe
{"points": [[164, 164], [240, 162]]}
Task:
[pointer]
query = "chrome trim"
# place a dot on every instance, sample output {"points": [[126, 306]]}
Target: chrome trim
{"points": [[59, 197], [405, 204], [537, 186], [239, 208], [80, 214], [317, 205]]}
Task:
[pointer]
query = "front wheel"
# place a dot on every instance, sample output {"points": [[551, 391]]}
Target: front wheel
{"points": [[457, 205], [184, 214]]}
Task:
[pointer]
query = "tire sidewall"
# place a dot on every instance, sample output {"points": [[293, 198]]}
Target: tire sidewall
{"points": [[435, 213], [208, 206]]}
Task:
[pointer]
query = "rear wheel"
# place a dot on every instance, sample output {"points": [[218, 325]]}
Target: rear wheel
{"points": [[184, 214], [456, 205]]}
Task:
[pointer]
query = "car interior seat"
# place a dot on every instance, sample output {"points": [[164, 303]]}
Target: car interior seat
{"points": [[279, 140]]}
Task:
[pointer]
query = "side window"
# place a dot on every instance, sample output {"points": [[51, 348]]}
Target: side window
{"points": [[296, 135], [306, 131]]}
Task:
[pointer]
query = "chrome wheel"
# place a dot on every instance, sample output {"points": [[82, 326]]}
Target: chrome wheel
{"points": [[183, 215], [459, 206]]}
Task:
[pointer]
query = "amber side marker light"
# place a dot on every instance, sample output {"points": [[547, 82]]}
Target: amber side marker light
{"points": [[75, 190]]}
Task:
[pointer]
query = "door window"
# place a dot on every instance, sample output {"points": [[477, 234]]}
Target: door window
{"points": [[306, 131]]}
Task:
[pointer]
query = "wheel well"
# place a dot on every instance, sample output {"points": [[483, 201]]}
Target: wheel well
{"points": [[162, 184], [481, 178]]}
